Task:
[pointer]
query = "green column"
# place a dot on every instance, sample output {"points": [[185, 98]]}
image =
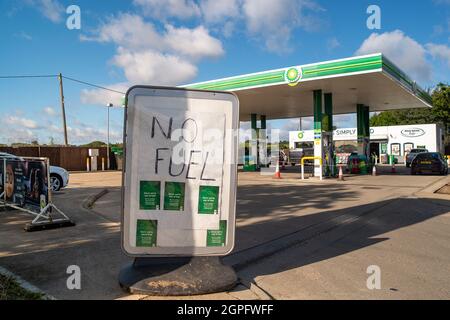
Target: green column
{"points": [[327, 121], [360, 127], [252, 156], [262, 152], [318, 145], [327, 127], [363, 131]]}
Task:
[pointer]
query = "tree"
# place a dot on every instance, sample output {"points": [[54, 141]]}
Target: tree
{"points": [[441, 105], [95, 144], [439, 113]]}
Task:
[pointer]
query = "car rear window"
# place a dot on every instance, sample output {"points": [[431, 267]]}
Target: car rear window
{"points": [[421, 156]]}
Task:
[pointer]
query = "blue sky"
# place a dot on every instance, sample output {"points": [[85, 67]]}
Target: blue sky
{"points": [[173, 42]]}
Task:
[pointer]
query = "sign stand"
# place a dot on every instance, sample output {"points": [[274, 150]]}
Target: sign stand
{"points": [[45, 218], [179, 190], [177, 276]]}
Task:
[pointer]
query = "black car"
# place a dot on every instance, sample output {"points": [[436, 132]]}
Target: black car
{"points": [[429, 162]]}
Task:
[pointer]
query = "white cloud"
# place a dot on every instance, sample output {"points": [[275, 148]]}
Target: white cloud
{"points": [[103, 97], [23, 35], [333, 43], [21, 122], [50, 111], [439, 51], [195, 43], [128, 30], [404, 51], [217, 11], [163, 9], [151, 67], [274, 21], [150, 56], [51, 9]]}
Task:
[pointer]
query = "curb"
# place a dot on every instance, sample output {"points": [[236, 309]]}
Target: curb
{"points": [[25, 284], [89, 202]]}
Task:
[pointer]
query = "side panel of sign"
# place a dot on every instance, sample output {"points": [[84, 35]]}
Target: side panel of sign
{"points": [[26, 183]]}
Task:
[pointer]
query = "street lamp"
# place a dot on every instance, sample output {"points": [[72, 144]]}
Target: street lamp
{"points": [[109, 105]]}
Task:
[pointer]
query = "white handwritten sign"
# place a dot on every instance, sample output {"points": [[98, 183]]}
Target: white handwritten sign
{"points": [[180, 172]]}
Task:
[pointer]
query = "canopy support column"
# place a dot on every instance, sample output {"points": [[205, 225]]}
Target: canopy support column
{"points": [[318, 142], [327, 127], [363, 129]]}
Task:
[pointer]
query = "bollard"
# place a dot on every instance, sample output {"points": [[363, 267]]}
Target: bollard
{"points": [[87, 165], [103, 164], [277, 171], [303, 171], [374, 170], [393, 167], [341, 174]]}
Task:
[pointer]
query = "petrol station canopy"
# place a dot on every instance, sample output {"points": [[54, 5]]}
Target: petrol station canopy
{"points": [[371, 80]]}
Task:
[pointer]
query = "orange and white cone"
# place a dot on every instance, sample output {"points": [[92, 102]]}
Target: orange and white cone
{"points": [[374, 170], [277, 171], [341, 174]]}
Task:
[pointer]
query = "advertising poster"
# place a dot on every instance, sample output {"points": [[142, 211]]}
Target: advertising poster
{"points": [[217, 238], [150, 195], [146, 233], [208, 200], [174, 196], [26, 183]]}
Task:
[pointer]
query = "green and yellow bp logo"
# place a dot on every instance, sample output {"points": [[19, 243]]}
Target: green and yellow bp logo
{"points": [[293, 76]]}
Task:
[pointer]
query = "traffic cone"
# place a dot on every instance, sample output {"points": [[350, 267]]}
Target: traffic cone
{"points": [[341, 174], [393, 167], [277, 171], [374, 170]]}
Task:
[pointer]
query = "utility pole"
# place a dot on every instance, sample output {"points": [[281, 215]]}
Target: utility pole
{"points": [[63, 109]]}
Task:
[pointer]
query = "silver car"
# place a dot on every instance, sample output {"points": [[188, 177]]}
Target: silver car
{"points": [[59, 177], [412, 154]]}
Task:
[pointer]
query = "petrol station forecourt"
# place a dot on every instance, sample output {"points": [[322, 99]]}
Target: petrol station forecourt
{"points": [[273, 215], [361, 84]]}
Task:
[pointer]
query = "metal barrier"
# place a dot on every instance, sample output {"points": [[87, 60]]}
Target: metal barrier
{"points": [[302, 162]]}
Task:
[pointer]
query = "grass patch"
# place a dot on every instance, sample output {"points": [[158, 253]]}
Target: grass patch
{"points": [[11, 290]]}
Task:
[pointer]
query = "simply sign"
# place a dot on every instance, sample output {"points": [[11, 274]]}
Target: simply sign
{"points": [[179, 181]]}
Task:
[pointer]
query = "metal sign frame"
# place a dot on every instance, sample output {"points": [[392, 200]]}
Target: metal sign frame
{"points": [[231, 123], [45, 215]]}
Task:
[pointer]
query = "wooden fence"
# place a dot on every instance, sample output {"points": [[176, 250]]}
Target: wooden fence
{"points": [[69, 158]]}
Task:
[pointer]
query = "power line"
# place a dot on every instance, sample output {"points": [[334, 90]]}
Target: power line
{"points": [[29, 76], [93, 85], [68, 78]]}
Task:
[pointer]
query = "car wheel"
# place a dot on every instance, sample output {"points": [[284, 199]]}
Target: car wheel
{"points": [[407, 165], [55, 182]]}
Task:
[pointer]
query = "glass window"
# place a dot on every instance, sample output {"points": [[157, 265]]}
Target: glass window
{"points": [[408, 147], [395, 149]]}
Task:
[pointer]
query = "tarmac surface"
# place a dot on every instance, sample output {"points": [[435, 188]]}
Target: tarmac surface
{"points": [[295, 239]]}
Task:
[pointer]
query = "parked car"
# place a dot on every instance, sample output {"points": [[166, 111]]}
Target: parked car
{"points": [[429, 162], [59, 177], [412, 154]]}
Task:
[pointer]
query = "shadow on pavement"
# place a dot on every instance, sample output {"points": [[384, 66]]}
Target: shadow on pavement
{"points": [[338, 232]]}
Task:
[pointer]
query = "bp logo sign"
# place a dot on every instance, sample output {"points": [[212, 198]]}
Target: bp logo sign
{"points": [[293, 76], [300, 135]]}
